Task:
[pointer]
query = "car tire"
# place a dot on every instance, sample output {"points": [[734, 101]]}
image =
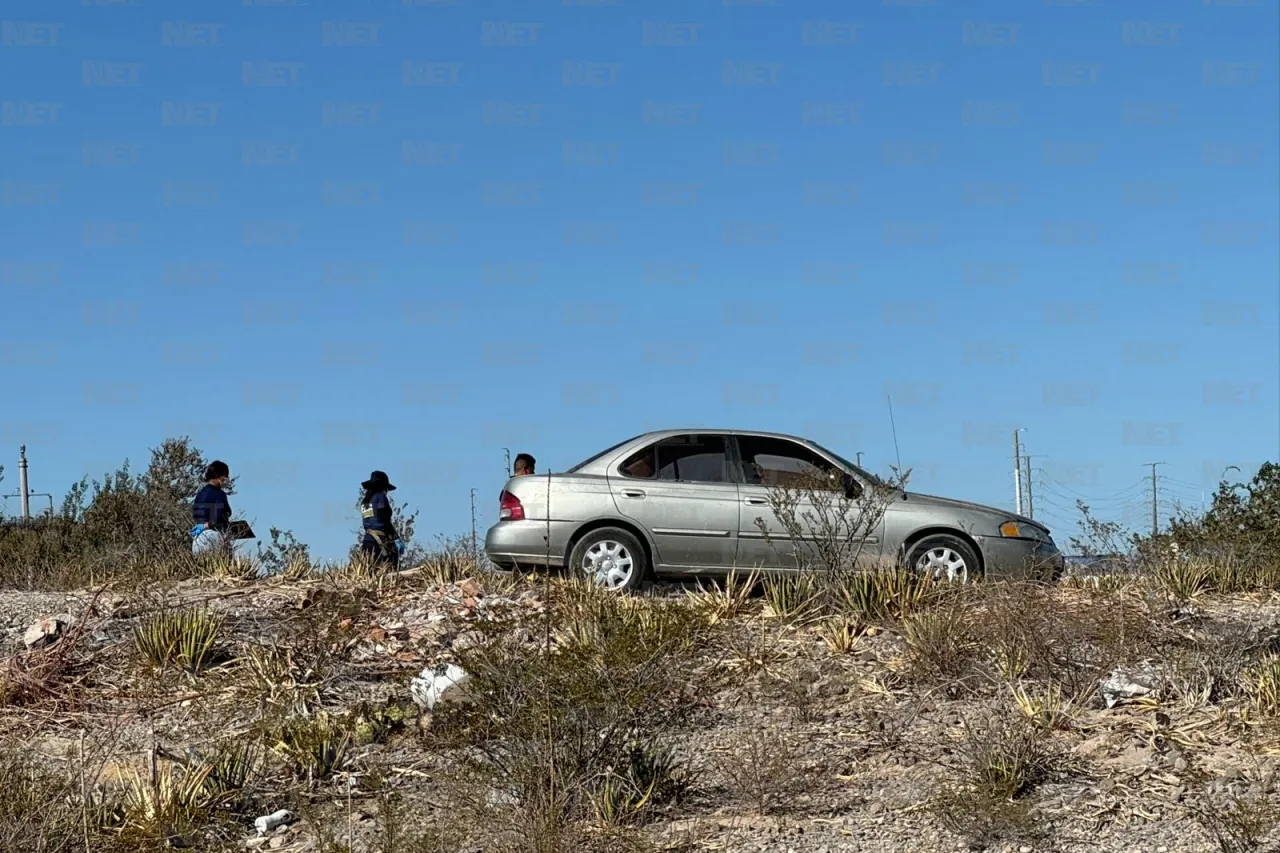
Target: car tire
{"points": [[944, 556], [611, 557]]}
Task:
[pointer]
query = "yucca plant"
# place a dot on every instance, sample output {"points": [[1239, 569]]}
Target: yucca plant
{"points": [[1047, 709], [888, 593], [726, 600], [176, 800], [1184, 579], [792, 596], [1262, 683], [841, 634], [315, 748], [182, 639]]}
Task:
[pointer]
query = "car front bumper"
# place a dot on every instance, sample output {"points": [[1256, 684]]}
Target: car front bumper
{"points": [[1027, 559], [516, 544]]}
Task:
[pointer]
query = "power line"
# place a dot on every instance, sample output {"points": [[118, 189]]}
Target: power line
{"points": [[1155, 499]]}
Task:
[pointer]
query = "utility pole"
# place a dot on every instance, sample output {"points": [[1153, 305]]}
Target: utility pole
{"points": [[23, 489], [1155, 503], [474, 552], [1017, 473], [1031, 507]]}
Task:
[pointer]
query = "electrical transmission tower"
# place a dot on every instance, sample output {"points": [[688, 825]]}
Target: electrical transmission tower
{"points": [[1155, 498]]}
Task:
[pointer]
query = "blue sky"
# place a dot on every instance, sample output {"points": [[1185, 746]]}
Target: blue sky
{"points": [[1056, 216]]}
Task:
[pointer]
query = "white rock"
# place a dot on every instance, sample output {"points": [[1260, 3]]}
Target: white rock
{"points": [[44, 633], [433, 685]]}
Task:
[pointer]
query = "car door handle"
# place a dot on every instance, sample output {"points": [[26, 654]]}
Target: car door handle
{"points": [[632, 493], [755, 501]]}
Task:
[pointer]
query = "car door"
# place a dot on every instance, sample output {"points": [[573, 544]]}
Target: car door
{"points": [[683, 490], [776, 467]]}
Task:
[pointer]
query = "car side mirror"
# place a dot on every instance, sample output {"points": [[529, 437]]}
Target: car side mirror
{"points": [[852, 489]]}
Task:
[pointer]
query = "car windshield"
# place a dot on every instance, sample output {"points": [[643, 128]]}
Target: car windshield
{"points": [[584, 463]]}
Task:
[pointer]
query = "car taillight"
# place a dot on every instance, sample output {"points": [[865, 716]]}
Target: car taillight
{"points": [[510, 507]]}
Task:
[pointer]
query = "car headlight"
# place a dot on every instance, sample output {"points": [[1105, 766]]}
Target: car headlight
{"points": [[1022, 530]]}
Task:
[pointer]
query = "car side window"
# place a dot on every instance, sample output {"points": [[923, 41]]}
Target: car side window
{"points": [[775, 462], [684, 458]]}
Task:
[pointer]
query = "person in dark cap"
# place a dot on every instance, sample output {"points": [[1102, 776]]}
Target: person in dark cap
{"points": [[211, 512], [381, 541]]}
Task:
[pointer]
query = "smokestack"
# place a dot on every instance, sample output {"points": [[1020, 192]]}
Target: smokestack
{"points": [[22, 483]]}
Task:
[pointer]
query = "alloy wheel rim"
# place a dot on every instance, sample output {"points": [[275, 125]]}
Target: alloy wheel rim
{"points": [[943, 563], [608, 563]]}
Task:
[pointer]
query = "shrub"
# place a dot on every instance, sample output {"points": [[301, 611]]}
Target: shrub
{"points": [[182, 639]]}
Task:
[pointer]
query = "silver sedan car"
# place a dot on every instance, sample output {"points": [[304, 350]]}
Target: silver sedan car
{"points": [[677, 503]]}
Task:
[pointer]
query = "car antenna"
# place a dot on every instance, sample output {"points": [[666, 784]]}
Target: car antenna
{"points": [[893, 426]]}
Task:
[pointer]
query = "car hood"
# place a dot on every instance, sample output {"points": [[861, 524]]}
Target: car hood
{"points": [[951, 503]]}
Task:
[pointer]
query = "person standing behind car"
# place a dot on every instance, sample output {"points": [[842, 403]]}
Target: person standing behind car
{"points": [[381, 541], [523, 466], [211, 511]]}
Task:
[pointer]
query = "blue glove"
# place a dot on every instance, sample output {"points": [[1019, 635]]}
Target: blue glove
{"points": [[400, 547], [198, 529]]}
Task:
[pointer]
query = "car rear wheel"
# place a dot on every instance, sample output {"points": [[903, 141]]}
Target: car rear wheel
{"points": [[610, 557], [944, 557]]}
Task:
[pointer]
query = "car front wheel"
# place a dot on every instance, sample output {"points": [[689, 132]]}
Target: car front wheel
{"points": [[944, 558], [610, 557]]}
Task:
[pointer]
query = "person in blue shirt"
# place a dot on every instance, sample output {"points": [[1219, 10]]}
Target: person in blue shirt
{"points": [[381, 541], [211, 512]]}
